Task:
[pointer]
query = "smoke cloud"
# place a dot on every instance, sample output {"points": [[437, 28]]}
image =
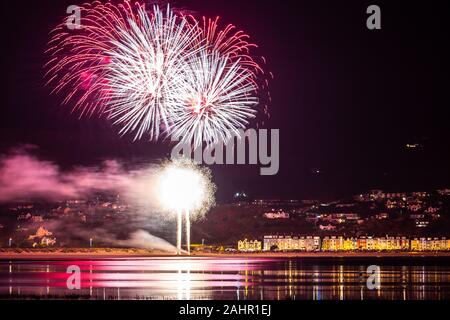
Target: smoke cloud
{"points": [[25, 177]]}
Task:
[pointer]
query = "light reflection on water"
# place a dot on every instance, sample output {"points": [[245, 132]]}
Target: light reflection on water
{"points": [[230, 279]]}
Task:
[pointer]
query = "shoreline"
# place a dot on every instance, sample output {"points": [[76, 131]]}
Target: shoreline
{"points": [[24, 254]]}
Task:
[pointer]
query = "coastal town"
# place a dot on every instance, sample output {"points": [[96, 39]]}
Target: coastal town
{"points": [[375, 221], [341, 244]]}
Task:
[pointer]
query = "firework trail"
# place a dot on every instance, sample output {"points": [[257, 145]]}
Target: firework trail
{"points": [[147, 62], [122, 63], [218, 95], [216, 101], [156, 72]]}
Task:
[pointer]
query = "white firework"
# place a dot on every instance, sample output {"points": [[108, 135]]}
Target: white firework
{"points": [[216, 99], [156, 72], [147, 61]]}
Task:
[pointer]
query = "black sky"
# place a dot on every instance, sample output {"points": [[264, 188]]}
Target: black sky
{"points": [[347, 100]]}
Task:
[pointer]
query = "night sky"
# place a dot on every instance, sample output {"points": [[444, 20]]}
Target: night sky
{"points": [[346, 100]]}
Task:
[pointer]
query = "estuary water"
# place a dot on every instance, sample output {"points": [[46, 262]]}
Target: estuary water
{"points": [[226, 279]]}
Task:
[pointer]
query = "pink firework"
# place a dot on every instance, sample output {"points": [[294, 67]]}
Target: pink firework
{"points": [[142, 68]]}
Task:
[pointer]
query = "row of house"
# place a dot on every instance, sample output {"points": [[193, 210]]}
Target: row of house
{"points": [[337, 244], [430, 244], [249, 246], [365, 244], [375, 195], [287, 243]]}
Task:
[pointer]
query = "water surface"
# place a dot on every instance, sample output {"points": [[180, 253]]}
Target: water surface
{"points": [[229, 279]]}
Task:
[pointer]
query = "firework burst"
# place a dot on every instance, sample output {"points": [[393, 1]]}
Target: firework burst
{"points": [[216, 100], [187, 190], [155, 72], [146, 63]]}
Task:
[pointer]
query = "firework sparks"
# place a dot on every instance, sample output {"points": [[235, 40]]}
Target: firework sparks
{"points": [[147, 62], [216, 100], [155, 72], [185, 188]]}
